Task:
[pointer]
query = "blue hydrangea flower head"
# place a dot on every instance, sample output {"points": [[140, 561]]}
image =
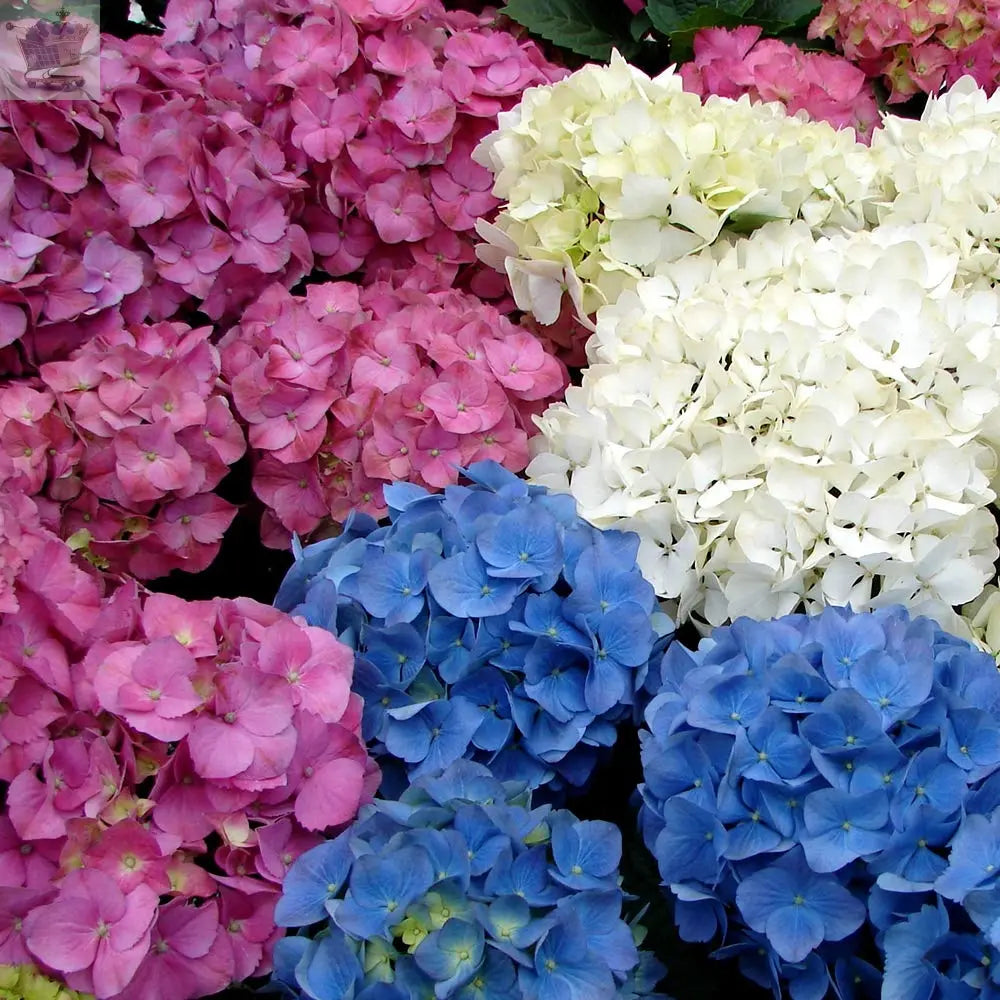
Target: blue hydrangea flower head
{"points": [[829, 785], [490, 622], [460, 889]]}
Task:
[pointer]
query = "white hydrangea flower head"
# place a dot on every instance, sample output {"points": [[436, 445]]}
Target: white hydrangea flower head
{"points": [[792, 420], [610, 173]]}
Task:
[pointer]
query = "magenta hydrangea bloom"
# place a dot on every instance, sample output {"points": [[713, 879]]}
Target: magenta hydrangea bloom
{"points": [[252, 138]]}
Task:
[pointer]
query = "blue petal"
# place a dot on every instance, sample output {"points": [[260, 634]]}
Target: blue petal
{"points": [[972, 739], [330, 968], [728, 704], [908, 975], [975, 858], [389, 585], [606, 934], [451, 955], [523, 544], [586, 852], [844, 723], [690, 845], [494, 477], [462, 587], [845, 638], [316, 876], [892, 686], [400, 496], [794, 932], [381, 888], [841, 827]]}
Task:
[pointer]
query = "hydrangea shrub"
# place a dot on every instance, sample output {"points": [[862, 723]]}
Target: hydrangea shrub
{"points": [[347, 389], [164, 763], [827, 787], [490, 622], [462, 889], [250, 144], [757, 416]]}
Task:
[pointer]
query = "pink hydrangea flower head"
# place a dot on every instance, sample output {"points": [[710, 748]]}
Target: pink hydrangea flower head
{"points": [[734, 62], [914, 47]]}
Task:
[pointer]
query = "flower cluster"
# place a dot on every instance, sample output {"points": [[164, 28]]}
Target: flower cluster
{"points": [[250, 141], [826, 86], [831, 782], [609, 173], [346, 389], [164, 762], [125, 442], [377, 107], [490, 622], [24, 982], [792, 421], [461, 889], [915, 47], [956, 137], [126, 211]]}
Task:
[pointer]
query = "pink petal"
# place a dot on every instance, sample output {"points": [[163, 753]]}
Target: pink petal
{"points": [[140, 913], [114, 970], [62, 934], [263, 707], [331, 796], [30, 809], [219, 750]]}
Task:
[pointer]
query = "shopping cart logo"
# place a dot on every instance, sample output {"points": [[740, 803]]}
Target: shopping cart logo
{"points": [[54, 59]]}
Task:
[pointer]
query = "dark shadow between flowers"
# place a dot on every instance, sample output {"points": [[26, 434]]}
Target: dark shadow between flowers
{"points": [[611, 796], [244, 567]]}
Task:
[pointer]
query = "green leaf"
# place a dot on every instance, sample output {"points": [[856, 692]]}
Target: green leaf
{"points": [[777, 15], [673, 16], [583, 26], [641, 26], [747, 222]]}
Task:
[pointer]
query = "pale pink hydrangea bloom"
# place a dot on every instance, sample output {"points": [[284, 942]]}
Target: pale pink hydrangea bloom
{"points": [[734, 62], [916, 47]]}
